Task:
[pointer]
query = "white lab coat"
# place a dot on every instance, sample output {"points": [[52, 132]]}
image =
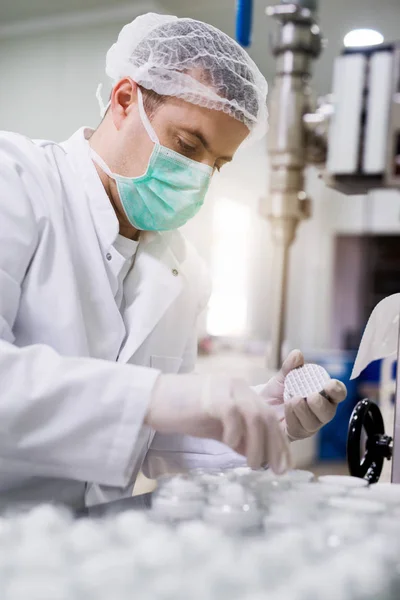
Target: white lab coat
{"points": [[71, 407]]}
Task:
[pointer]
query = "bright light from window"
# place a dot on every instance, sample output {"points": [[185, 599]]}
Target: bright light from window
{"points": [[227, 314], [359, 38]]}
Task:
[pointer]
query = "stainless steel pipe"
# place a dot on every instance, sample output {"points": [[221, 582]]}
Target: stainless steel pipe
{"points": [[297, 43]]}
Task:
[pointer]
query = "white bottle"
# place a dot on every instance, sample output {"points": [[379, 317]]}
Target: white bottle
{"points": [[233, 509], [178, 499]]}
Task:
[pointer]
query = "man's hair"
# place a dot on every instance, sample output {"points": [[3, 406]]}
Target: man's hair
{"points": [[152, 101], [186, 47]]}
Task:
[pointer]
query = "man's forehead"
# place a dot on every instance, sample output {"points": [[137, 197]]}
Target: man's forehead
{"points": [[217, 131]]}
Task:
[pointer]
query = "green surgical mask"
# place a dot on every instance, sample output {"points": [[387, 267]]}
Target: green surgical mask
{"points": [[171, 191]]}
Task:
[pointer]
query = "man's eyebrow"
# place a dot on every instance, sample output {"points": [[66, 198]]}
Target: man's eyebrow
{"points": [[205, 143]]}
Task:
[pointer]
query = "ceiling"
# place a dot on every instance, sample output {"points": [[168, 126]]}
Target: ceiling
{"points": [[337, 17]]}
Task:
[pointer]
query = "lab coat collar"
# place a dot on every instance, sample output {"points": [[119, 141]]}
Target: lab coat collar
{"points": [[105, 219]]}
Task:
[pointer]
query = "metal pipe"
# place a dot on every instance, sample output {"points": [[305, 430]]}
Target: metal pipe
{"points": [[279, 277], [296, 44]]}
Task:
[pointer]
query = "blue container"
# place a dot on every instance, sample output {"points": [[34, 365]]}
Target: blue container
{"points": [[332, 438], [244, 17]]}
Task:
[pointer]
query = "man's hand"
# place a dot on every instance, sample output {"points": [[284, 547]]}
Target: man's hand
{"points": [[302, 417], [224, 409]]}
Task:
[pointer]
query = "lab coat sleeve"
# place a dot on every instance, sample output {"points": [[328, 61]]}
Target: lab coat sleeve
{"points": [[73, 418], [177, 454]]}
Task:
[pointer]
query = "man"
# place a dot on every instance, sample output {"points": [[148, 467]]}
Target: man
{"points": [[99, 292]]}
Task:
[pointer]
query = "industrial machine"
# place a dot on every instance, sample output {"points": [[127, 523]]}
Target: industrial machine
{"points": [[377, 445], [354, 136]]}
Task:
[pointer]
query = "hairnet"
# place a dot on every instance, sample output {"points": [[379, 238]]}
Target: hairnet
{"points": [[194, 61]]}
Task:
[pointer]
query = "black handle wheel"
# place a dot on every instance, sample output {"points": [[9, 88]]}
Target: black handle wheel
{"points": [[367, 416]]}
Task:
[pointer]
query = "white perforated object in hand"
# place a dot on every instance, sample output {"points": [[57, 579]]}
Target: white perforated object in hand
{"points": [[304, 381]]}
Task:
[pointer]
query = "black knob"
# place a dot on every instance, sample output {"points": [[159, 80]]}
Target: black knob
{"points": [[378, 446]]}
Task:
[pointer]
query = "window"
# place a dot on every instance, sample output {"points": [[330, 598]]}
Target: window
{"points": [[229, 268]]}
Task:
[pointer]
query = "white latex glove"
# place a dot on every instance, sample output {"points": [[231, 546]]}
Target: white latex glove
{"points": [[222, 409], [302, 417]]}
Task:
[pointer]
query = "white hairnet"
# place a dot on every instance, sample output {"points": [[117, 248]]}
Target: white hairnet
{"points": [[194, 61]]}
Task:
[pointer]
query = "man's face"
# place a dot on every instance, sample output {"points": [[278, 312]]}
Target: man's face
{"points": [[207, 136]]}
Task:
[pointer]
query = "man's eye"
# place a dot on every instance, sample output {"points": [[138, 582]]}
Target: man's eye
{"points": [[186, 148]]}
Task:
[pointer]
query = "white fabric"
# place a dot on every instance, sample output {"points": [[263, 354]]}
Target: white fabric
{"points": [[221, 408], [194, 61], [381, 334], [68, 413], [127, 249]]}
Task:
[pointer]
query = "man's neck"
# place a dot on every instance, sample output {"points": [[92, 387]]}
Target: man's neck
{"points": [[125, 228]]}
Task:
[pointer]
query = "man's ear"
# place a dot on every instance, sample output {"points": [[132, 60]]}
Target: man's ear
{"points": [[123, 97]]}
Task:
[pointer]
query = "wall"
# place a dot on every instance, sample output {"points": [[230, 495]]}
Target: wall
{"points": [[49, 81], [50, 69]]}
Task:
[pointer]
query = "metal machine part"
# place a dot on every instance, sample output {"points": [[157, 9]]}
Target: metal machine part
{"points": [[317, 125], [364, 136], [355, 132], [367, 417], [297, 43]]}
